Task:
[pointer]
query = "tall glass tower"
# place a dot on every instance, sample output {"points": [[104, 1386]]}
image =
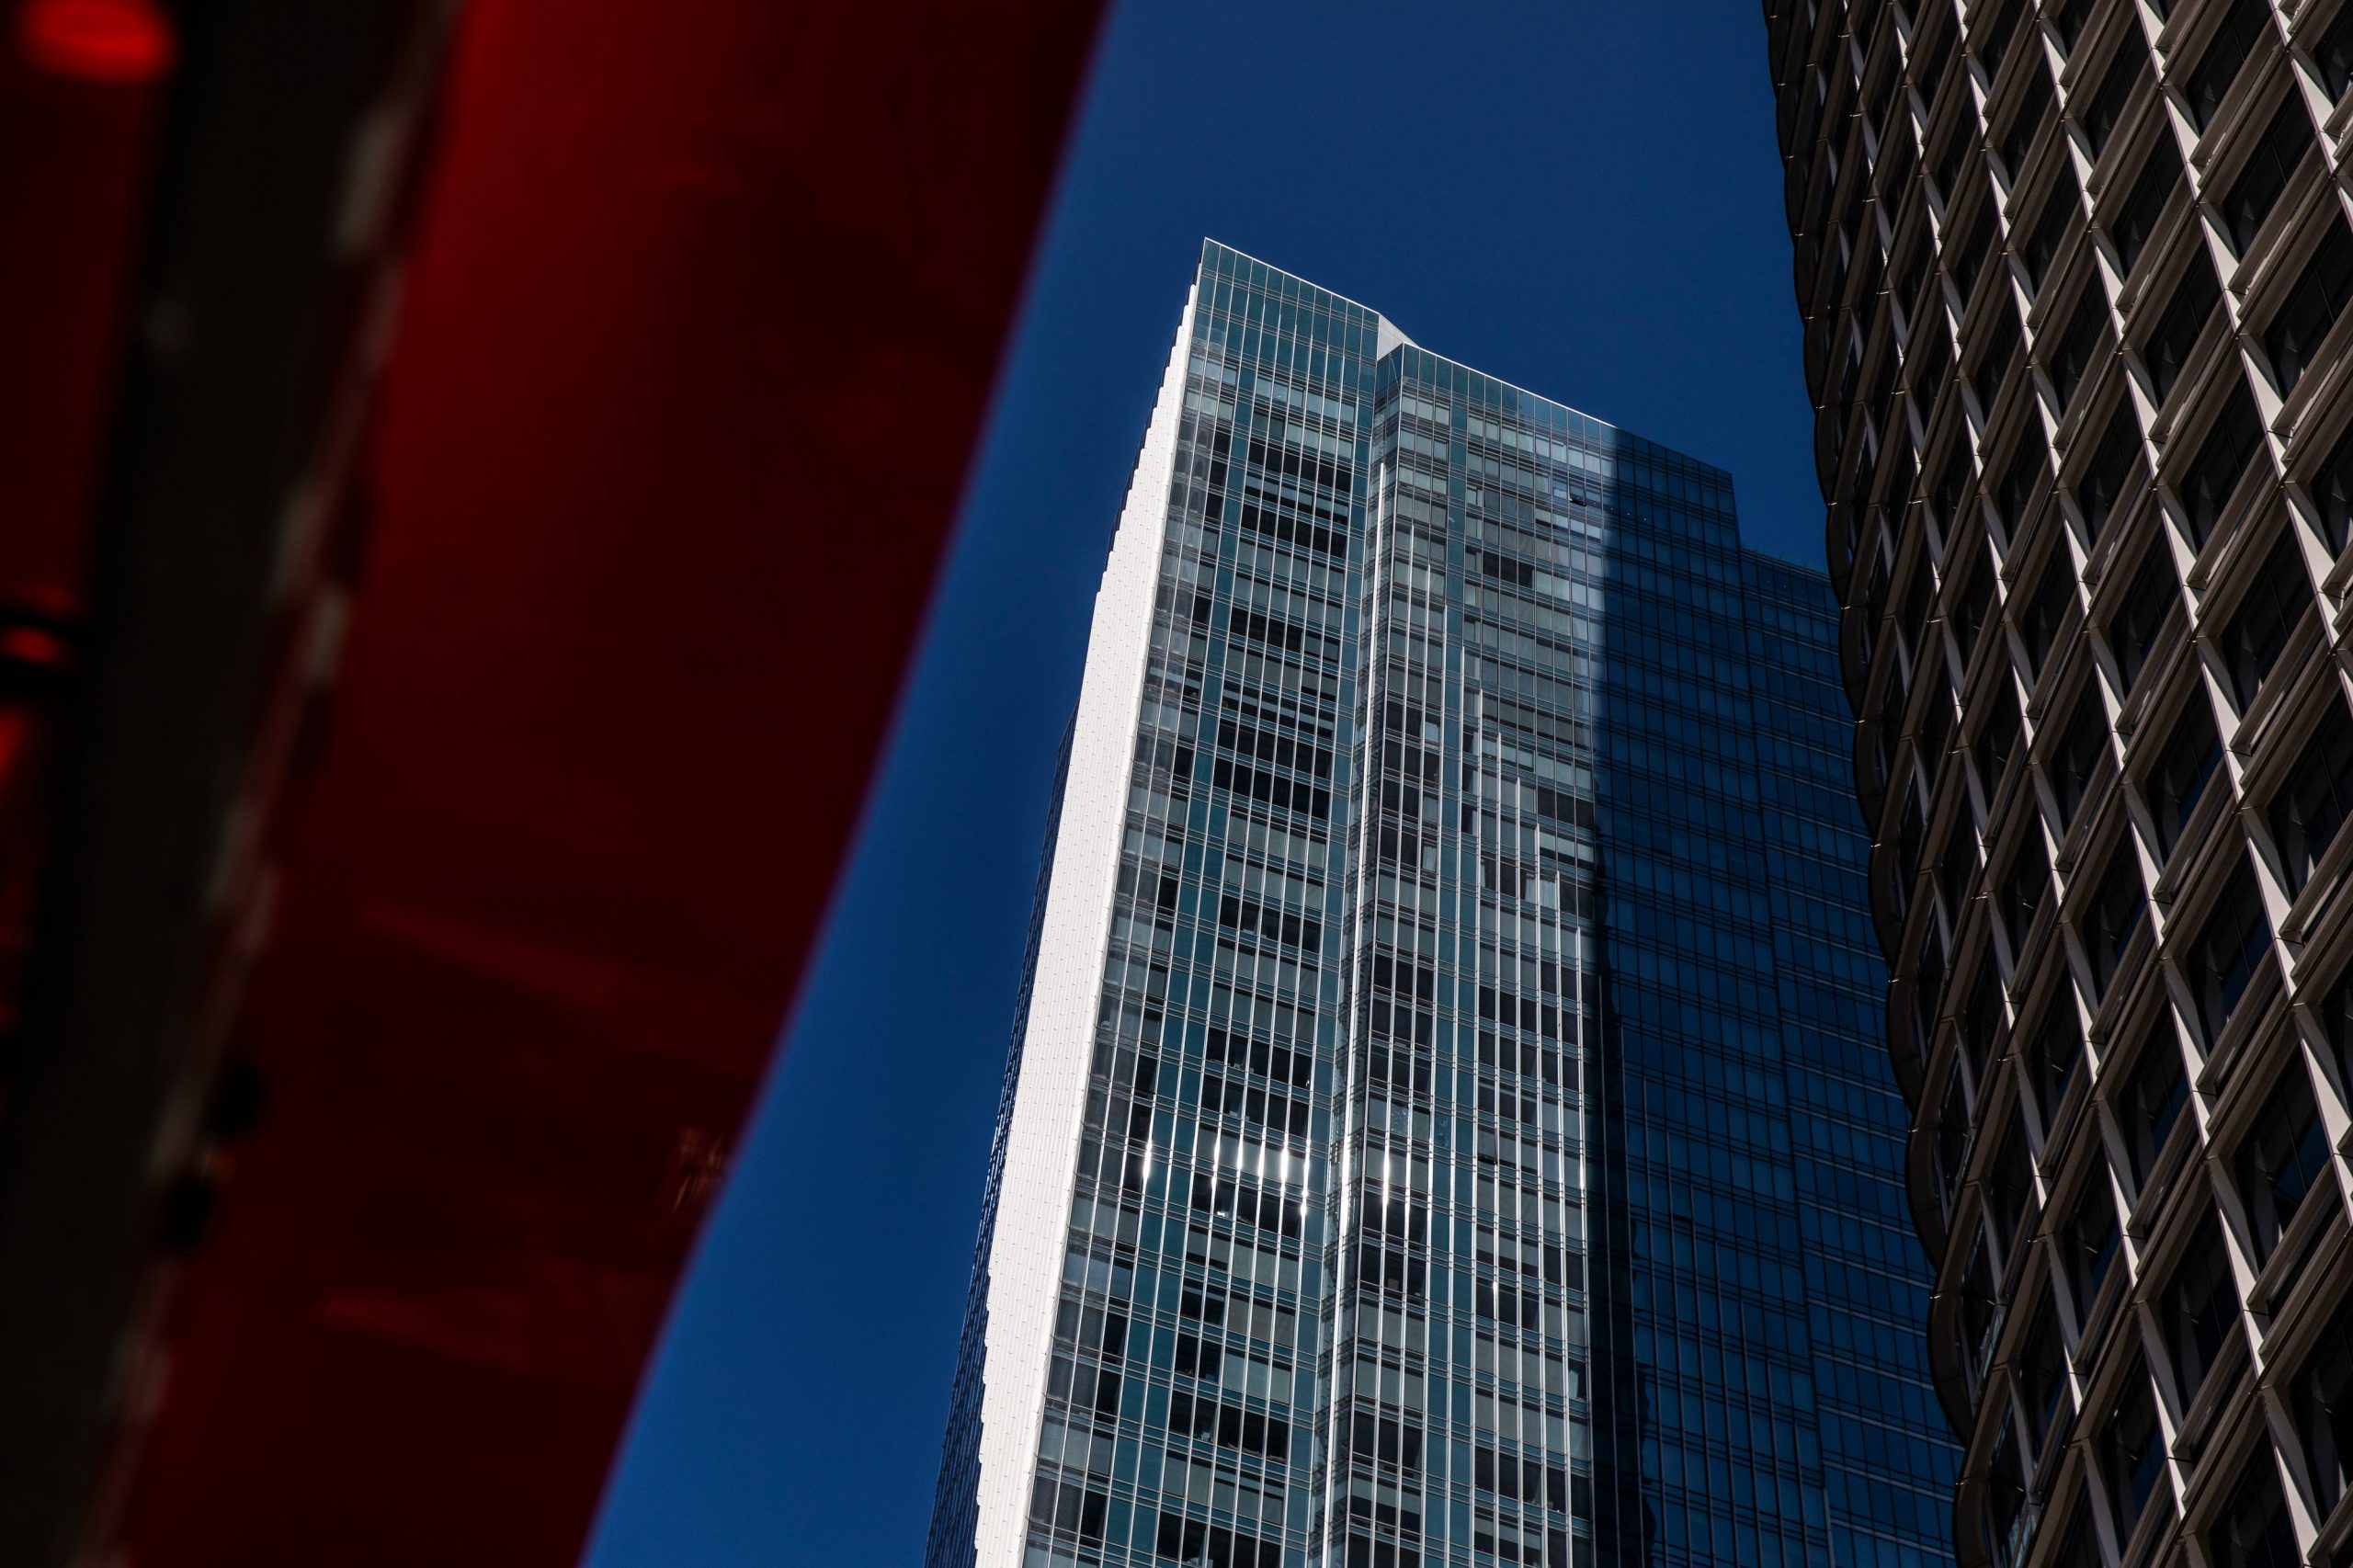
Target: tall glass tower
{"points": [[1444, 1122], [2075, 276]]}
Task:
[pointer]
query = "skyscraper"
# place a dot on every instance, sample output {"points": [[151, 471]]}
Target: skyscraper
{"points": [[1444, 1122], [2072, 276]]}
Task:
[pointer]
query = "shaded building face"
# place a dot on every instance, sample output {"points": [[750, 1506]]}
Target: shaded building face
{"points": [[2072, 275], [1444, 1122]]}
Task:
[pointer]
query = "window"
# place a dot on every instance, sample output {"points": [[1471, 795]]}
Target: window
{"points": [[1912, 609], [2001, 348], [2207, 487], [1975, 1322], [2110, 466], [2009, 1185], [2178, 780], [2226, 50], [2080, 1547], [2222, 960], [2057, 1052], [1952, 1141], [2321, 1400], [2033, 108], [2116, 84], [2054, 594], [2168, 348], [1980, 1019], [1949, 156], [1931, 75], [2197, 1309], [2088, 1240], [2019, 477], [2114, 915], [1997, 738], [2268, 611], [2005, 1497], [2151, 1101], [1971, 605], [2333, 52], [2050, 231], [1908, 278], [2310, 308], [2265, 175], [2334, 1015], [2311, 806], [1965, 259], [2023, 888], [2132, 630], [2253, 1530], [2042, 1376], [2131, 1452], [1994, 44], [2332, 490], [2283, 1156], [1957, 865], [2078, 344], [2137, 219], [2068, 18], [2079, 753]]}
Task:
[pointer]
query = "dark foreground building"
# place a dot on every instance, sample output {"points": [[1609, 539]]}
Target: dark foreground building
{"points": [[2073, 275], [1446, 1122]]}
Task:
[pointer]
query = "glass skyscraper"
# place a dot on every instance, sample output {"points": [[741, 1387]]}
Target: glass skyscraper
{"points": [[2075, 278], [1446, 1120]]}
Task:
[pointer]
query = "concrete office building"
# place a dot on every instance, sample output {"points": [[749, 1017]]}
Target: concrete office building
{"points": [[2073, 276]]}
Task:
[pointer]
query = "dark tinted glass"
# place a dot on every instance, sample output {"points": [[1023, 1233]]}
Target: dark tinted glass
{"points": [[2025, 120], [2310, 805], [2156, 589], [2332, 491], [2265, 175], [2224, 456], [2197, 1309], [2039, 618], [2060, 209], [2284, 1155], [2116, 84], [2310, 308], [2137, 219], [2078, 344], [2131, 1451], [2110, 467], [2279, 598], [2226, 50], [2254, 1530], [2090, 1238], [2114, 915], [2224, 958], [2178, 781], [2151, 1101], [2042, 1372], [2333, 52], [2321, 1400], [2168, 348]]}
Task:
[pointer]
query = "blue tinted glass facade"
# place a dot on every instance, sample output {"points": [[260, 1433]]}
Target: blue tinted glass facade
{"points": [[1449, 976]]}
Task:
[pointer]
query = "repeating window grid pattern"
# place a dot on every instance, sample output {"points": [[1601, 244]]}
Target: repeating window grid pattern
{"points": [[1888, 1458], [1505, 1311], [2105, 556], [1463, 1287]]}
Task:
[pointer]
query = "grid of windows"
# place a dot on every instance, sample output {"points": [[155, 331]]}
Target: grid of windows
{"points": [[2143, 1254], [1484, 1159]]}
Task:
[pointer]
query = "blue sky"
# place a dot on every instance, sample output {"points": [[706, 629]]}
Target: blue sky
{"points": [[1583, 198]]}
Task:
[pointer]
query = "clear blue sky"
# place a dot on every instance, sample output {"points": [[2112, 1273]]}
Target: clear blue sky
{"points": [[1582, 198]]}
